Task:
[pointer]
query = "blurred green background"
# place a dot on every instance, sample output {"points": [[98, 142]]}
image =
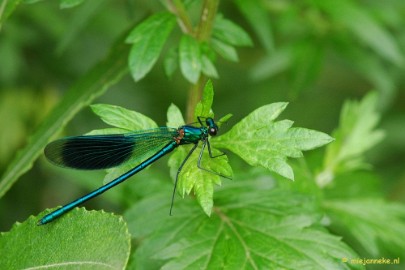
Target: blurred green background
{"points": [[310, 54]]}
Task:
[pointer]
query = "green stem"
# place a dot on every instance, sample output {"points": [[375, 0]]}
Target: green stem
{"points": [[177, 8], [204, 29]]}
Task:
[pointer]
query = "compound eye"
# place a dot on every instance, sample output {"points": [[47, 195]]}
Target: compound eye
{"points": [[212, 131]]}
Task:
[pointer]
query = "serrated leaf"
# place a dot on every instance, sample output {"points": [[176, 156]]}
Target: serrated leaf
{"points": [[371, 223], [229, 32], [203, 108], [69, 3], [226, 51], [252, 226], [66, 243], [261, 141], [147, 41], [190, 58], [91, 85], [356, 134], [120, 117], [192, 177]]}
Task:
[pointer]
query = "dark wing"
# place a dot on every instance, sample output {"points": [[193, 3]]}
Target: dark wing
{"points": [[107, 151]]}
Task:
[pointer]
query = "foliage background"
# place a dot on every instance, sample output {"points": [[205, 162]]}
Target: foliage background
{"points": [[313, 56]]}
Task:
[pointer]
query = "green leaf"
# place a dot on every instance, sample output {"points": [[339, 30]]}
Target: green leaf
{"points": [[226, 51], [120, 117], [190, 58], [125, 121], [261, 141], [170, 63], [193, 177], [355, 135], [103, 75], [224, 119], [7, 7], [370, 223], [79, 240], [174, 117], [208, 67], [147, 41], [203, 108], [364, 27], [273, 64], [253, 226], [256, 14], [70, 3], [229, 32]]}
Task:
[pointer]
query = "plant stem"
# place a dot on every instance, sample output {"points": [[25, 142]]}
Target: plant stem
{"points": [[177, 8], [203, 33]]}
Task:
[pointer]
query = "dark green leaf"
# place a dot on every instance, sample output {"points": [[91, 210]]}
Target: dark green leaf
{"points": [[256, 14], [260, 140], [190, 58], [7, 7], [371, 223], [229, 32], [147, 41], [79, 240], [91, 85], [273, 64], [252, 226], [363, 26]]}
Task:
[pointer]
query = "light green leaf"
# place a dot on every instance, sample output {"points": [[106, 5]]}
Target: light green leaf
{"points": [[252, 226], [230, 33], [261, 141], [226, 51], [125, 121], [91, 85], [147, 41], [208, 67], [174, 117], [190, 58], [355, 135], [70, 3], [120, 117], [193, 177], [371, 223], [203, 108], [67, 242]]}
